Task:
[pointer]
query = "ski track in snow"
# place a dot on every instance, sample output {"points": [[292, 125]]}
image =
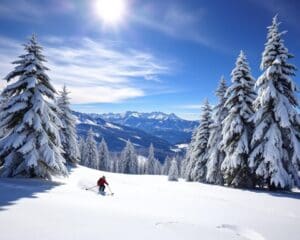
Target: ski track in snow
{"points": [[242, 233], [165, 223], [245, 233]]}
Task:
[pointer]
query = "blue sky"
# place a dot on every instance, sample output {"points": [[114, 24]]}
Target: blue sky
{"points": [[159, 56]]}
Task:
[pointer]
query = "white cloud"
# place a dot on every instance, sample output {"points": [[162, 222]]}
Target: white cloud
{"points": [[103, 94], [93, 71], [173, 21], [191, 106], [20, 10], [189, 116], [177, 22], [190, 111], [34, 11]]}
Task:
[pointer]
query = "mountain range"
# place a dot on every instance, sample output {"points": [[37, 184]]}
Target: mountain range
{"points": [[169, 127], [167, 132]]}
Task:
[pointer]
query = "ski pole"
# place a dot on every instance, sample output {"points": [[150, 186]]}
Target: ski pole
{"points": [[110, 190], [91, 187]]}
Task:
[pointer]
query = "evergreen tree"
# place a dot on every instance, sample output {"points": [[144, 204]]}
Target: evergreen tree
{"points": [[118, 167], [90, 157], [134, 161], [81, 146], [114, 159], [157, 167], [104, 161], [3, 100], [173, 171], [68, 132], [215, 154], [166, 165], [237, 126], [191, 155], [2, 133], [141, 166], [128, 162], [112, 165], [29, 116], [196, 168], [150, 164], [184, 165], [275, 143], [179, 163]]}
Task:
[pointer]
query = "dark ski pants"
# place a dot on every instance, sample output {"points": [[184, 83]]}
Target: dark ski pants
{"points": [[101, 188]]}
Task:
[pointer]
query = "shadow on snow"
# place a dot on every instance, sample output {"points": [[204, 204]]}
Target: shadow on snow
{"points": [[12, 189], [294, 194], [275, 193]]}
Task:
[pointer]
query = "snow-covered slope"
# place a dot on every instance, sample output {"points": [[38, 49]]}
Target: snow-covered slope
{"points": [[143, 207]]}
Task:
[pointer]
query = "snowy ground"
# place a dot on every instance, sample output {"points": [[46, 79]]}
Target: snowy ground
{"points": [[143, 207]]}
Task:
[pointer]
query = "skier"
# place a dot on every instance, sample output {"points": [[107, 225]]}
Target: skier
{"points": [[101, 183]]}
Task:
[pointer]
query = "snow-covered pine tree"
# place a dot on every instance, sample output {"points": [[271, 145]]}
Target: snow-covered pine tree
{"points": [[166, 165], [134, 161], [186, 159], [275, 155], [104, 161], [2, 133], [68, 132], [118, 167], [215, 154], [173, 171], [114, 160], [157, 167], [237, 126], [32, 145], [188, 163], [81, 146], [112, 165], [90, 152], [150, 164], [196, 167], [141, 165], [128, 162], [179, 160]]}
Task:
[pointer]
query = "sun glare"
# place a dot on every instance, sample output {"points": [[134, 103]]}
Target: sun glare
{"points": [[110, 11]]}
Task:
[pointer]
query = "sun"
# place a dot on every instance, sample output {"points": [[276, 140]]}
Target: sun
{"points": [[110, 11]]}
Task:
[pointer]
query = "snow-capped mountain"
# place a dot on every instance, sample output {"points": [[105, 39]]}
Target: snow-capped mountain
{"points": [[116, 135], [166, 126], [133, 114]]}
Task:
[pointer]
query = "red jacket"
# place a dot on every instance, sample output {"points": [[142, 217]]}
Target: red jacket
{"points": [[102, 181]]}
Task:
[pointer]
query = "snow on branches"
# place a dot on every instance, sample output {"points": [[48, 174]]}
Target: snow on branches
{"points": [[29, 116]]}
